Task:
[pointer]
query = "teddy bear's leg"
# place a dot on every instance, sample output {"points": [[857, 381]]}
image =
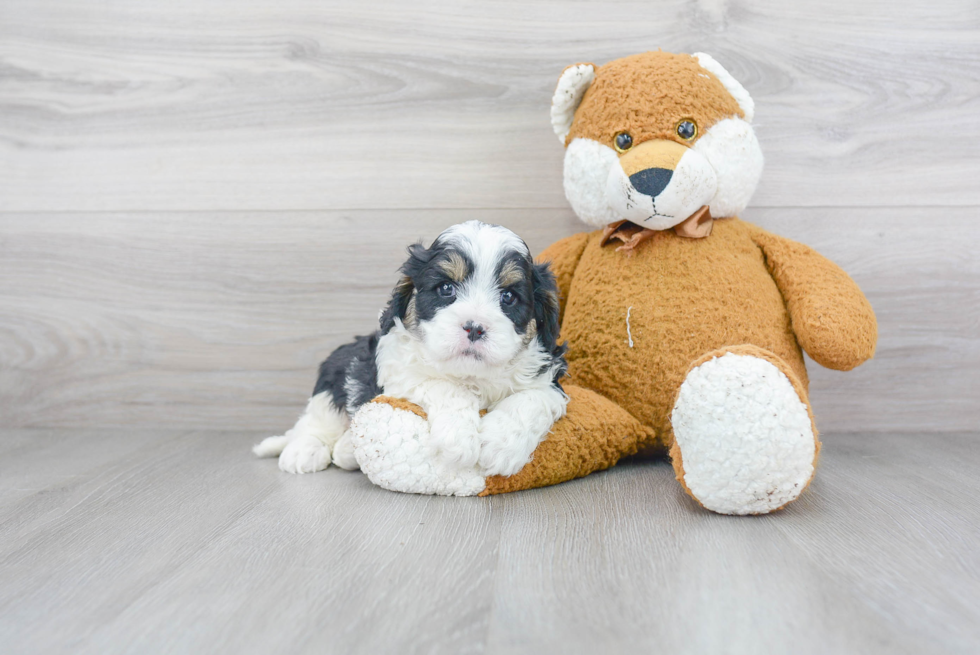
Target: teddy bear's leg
{"points": [[594, 434], [743, 438], [389, 438]]}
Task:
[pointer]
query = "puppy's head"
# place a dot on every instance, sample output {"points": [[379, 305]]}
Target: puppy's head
{"points": [[475, 300]]}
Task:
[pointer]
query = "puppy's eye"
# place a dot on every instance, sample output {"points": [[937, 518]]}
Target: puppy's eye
{"points": [[623, 141], [687, 130], [446, 290], [507, 298]]}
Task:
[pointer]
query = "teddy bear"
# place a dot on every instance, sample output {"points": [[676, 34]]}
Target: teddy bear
{"points": [[685, 325]]}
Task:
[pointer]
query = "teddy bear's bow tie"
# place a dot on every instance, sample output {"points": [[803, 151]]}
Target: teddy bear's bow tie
{"points": [[696, 226]]}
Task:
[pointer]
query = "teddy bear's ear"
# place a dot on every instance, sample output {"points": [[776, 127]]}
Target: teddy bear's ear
{"points": [[572, 85], [738, 91]]}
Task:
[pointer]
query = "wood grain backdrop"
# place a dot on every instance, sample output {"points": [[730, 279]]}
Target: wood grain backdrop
{"points": [[200, 198]]}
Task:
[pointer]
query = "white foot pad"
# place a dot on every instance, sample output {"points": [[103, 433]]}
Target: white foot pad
{"points": [[745, 436], [389, 447]]}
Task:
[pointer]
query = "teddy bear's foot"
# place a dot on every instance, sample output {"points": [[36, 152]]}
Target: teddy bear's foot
{"points": [[744, 440], [389, 438]]}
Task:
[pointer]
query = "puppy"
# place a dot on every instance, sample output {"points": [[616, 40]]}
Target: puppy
{"points": [[471, 325]]}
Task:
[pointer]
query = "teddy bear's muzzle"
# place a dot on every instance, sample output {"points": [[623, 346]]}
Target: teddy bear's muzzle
{"points": [[659, 184]]}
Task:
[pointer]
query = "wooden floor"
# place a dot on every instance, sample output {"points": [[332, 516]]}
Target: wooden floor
{"points": [[181, 542]]}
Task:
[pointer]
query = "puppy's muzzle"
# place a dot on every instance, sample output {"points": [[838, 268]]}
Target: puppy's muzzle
{"points": [[660, 183]]}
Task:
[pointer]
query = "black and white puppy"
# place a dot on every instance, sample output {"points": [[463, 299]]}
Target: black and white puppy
{"points": [[471, 325]]}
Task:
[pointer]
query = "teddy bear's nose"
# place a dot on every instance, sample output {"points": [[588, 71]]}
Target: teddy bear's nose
{"points": [[651, 181]]}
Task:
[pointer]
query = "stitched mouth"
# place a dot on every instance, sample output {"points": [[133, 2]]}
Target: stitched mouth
{"points": [[656, 213]]}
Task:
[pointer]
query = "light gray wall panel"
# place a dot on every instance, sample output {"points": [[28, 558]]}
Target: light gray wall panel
{"points": [[199, 199], [219, 320], [219, 104]]}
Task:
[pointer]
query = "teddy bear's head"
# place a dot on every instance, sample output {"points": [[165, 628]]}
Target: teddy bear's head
{"points": [[655, 137]]}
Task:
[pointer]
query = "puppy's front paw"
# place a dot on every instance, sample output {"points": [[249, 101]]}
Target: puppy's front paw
{"points": [[343, 453], [304, 454], [503, 451], [454, 439]]}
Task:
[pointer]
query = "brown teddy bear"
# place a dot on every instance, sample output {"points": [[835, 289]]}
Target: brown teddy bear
{"points": [[685, 324]]}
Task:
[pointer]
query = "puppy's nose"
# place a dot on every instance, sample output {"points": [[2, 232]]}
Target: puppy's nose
{"points": [[651, 181], [474, 332]]}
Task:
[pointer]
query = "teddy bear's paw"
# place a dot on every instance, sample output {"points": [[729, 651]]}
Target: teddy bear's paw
{"points": [[304, 454], [391, 447], [746, 441]]}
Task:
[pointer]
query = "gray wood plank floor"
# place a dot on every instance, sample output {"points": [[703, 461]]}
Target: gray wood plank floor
{"points": [[178, 541]]}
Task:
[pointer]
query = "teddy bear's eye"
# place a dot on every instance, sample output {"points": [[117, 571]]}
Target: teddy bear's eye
{"points": [[687, 130], [623, 141]]}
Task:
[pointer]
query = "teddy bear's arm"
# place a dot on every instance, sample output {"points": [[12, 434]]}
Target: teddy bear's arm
{"points": [[564, 256], [833, 321]]}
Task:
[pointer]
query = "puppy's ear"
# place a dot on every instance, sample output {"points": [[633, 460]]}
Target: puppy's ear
{"points": [[546, 306], [401, 296], [398, 304]]}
